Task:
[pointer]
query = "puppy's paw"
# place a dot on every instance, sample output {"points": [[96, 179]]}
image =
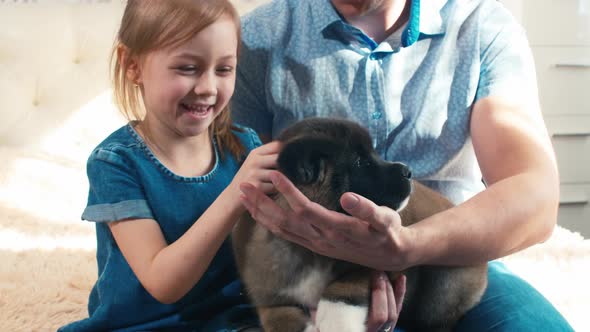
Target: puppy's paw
{"points": [[340, 317]]}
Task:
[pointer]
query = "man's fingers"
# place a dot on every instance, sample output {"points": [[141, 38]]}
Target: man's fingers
{"points": [[308, 223], [295, 198], [391, 302], [386, 302], [270, 215], [267, 188], [380, 218], [378, 311], [263, 209], [323, 218], [333, 226], [399, 292]]}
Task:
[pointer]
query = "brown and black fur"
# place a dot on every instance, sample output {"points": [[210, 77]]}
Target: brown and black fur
{"points": [[325, 158]]}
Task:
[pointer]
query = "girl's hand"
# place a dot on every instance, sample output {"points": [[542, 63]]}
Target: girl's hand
{"points": [[371, 236], [257, 167]]}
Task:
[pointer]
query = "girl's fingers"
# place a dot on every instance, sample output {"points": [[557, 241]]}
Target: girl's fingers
{"points": [[266, 161], [269, 148]]}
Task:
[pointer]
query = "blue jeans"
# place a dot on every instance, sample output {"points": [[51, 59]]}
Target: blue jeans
{"points": [[510, 304]]}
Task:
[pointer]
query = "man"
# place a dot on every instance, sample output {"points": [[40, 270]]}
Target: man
{"points": [[447, 87]]}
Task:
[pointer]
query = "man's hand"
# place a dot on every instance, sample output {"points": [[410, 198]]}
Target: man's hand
{"points": [[371, 236], [386, 302]]}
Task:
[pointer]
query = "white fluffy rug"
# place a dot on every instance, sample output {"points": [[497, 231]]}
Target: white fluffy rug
{"points": [[47, 253]]}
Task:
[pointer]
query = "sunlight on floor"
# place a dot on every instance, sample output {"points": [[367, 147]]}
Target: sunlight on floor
{"points": [[18, 241], [44, 187]]}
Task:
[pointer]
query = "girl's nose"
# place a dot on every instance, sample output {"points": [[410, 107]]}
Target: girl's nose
{"points": [[205, 84]]}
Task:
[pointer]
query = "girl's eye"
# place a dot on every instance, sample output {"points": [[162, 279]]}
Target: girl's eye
{"points": [[225, 70], [187, 69]]}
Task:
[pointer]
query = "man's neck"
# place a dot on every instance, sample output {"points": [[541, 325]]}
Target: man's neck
{"points": [[378, 23]]}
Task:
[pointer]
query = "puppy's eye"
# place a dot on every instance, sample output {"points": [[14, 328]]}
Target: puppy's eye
{"points": [[357, 163], [361, 162]]}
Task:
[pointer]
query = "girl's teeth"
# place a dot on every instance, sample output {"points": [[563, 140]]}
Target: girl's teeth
{"points": [[197, 108]]}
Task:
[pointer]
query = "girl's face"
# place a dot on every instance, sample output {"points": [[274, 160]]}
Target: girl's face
{"points": [[185, 87]]}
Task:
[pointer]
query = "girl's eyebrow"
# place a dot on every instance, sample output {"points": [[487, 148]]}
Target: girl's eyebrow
{"points": [[192, 56]]}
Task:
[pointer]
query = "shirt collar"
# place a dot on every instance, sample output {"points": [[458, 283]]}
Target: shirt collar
{"points": [[431, 16], [425, 21]]}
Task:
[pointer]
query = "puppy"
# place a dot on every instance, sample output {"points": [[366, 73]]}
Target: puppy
{"points": [[325, 158]]}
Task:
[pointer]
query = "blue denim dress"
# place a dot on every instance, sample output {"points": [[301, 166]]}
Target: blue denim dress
{"points": [[128, 181]]}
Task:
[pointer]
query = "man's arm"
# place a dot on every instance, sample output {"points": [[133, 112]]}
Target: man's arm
{"points": [[519, 207]]}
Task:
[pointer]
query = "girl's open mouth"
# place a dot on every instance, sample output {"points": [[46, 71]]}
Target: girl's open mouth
{"points": [[197, 110]]}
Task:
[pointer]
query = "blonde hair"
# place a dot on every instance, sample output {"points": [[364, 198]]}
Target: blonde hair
{"points": [[149, 25]]}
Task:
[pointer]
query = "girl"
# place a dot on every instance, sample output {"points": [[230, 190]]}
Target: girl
{"points": [[164, 188]]}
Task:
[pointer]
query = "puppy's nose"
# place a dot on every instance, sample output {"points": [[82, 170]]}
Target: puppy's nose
{"points": [[406, 172], [403, 170]]}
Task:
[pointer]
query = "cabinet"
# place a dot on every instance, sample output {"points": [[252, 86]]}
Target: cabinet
{"points": [[559, 35]]}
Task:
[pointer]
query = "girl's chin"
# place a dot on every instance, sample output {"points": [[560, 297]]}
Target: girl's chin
{"points": [[193, 129]]}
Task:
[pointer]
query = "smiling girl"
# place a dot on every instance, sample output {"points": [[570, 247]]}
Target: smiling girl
{"points": [[164, 188]]}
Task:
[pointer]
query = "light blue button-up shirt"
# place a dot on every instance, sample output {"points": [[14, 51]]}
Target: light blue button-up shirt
{"points": [[414, 91]]}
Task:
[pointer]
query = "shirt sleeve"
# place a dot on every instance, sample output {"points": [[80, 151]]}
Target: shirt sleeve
{"points": [[507, 65], [249, 106], [115, 190]]}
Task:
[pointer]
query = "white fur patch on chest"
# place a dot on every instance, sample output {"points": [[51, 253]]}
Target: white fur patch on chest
{"points": [[340, 317], [308, 289]]}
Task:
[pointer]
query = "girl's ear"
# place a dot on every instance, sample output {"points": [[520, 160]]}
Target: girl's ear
{"points": [[131, 63]]}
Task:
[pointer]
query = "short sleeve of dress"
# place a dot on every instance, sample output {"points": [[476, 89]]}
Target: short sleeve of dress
{"points": [[115, 192], [252, 141], [249, 139], [507, 65]]}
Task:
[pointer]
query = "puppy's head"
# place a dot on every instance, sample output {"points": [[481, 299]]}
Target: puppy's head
{"points": [[325, 158]]}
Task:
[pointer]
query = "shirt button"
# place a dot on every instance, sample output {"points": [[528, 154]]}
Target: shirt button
{"points": [[376, 115]]}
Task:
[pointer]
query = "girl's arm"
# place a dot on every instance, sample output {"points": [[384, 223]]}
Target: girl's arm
{"points": [[169, 271]]}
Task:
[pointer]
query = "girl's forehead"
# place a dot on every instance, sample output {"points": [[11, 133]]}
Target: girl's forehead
{"points": [[222, 31], [214, 42]]}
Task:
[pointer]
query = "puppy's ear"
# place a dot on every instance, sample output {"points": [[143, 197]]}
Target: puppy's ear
{"points": [[305, 160]]}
